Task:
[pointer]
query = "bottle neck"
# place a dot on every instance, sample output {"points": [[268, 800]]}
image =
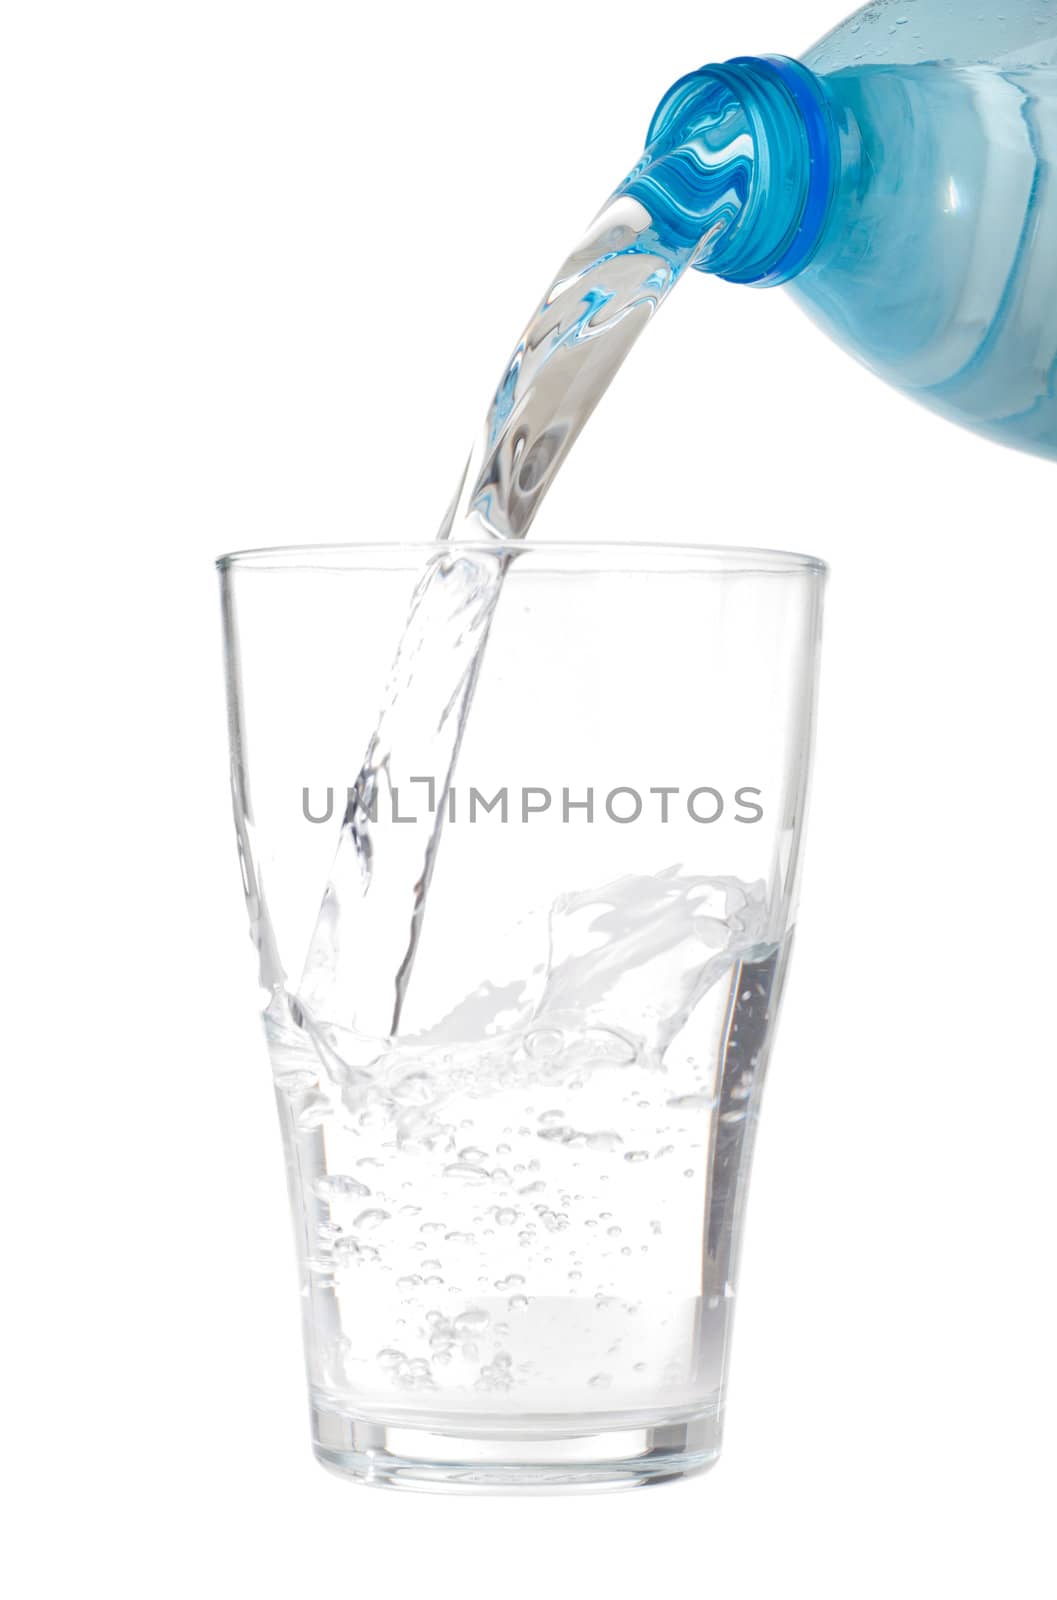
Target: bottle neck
{"points": [[791, 165]]}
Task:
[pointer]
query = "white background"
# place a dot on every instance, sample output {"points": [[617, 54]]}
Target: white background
{"points": [[262, 265]]}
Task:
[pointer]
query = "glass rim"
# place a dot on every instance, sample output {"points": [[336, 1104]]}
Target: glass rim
{"points": [[573, 555]]}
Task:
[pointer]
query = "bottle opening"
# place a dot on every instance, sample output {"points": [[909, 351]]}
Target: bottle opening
{"points": [[762, 126]]}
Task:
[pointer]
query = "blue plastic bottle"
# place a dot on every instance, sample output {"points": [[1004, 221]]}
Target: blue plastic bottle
{"points": [[902, 181]]}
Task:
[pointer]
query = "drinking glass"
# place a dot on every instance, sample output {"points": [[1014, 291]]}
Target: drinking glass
{"points": [[520, 834]]}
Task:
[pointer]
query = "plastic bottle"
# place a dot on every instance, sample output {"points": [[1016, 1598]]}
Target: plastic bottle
{"points": [[903, 184]]}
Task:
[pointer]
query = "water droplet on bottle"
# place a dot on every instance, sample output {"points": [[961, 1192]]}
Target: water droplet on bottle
{"points": [[637, 1155]]}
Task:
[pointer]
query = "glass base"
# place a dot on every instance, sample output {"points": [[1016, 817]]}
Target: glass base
{"points": [[550, 1456]]}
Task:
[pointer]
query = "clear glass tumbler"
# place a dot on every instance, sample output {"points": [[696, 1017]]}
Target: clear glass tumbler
{"points": [[523, 892]]}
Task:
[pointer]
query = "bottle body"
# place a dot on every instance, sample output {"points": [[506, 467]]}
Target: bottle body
{"points": [[926, 185], [937, 266]]}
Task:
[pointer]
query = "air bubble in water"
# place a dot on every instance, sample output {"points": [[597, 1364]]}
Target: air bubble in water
{"points": [[367, 1221], [543, 1044], [351, 1250], [313, 1112], [339, 1186], [466, 1172], [691, 1102], [604, 1140], [473, 1321]]}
